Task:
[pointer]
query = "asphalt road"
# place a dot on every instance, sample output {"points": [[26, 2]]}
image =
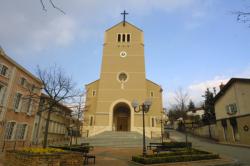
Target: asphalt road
{"points": [[239, 154]]}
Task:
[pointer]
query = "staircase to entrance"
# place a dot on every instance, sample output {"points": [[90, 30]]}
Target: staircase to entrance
{"points": [[118, 139]]}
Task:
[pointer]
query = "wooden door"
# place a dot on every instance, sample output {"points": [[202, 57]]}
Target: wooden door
{"points": [[122, 124]]}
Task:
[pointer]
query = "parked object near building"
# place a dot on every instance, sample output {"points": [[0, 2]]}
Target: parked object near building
{"points": [[17, 104], [232, 108]]}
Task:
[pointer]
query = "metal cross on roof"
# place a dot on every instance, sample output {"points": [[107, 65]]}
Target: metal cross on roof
{"points": [[124, 17]]}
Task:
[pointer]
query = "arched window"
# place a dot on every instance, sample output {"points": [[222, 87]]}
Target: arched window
{"points": [[128, 37], [123, 38], [119, 38]]}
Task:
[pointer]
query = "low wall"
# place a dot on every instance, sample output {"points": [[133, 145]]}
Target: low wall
{"points": [[203, 131]]}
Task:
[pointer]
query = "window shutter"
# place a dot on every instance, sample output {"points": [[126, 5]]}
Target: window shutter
{"points": [[26, 132], [2, 95], [14, 102], [20, 105], [7, 74], [1, 66]]}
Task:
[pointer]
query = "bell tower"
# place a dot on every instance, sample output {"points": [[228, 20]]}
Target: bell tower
{"points": [[122, 79]]}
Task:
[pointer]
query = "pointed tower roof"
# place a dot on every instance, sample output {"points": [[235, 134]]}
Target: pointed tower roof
{"points": [[125, 25]]}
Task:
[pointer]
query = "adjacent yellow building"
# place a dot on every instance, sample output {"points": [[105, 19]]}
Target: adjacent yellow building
{"points": [[122, 79], [232, 108]]}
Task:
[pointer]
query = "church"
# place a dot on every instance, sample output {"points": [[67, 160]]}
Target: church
{"points": [[122, 80]]}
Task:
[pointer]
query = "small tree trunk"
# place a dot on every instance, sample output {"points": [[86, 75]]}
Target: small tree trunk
{"points": [[209, 129], [45, 140]]}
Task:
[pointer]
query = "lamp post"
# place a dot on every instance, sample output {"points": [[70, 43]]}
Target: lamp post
{"points": [[162, 121], [144, 107]]}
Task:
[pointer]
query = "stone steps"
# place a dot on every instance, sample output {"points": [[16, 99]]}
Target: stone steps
{"points": [[117, 139]]}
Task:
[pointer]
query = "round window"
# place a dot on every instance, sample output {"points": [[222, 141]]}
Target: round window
{"points": [[123, 54], [122, 77]]}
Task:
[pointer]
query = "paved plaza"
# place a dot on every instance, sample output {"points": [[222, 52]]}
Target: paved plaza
{"points": [[121, 156]]}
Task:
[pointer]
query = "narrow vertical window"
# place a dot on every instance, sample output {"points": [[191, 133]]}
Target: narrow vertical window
{"points": [[128, 37], [123, 38], [119, 38], [17, 101], [93, 93], [153, 122], [151, 94], [91, 121]]}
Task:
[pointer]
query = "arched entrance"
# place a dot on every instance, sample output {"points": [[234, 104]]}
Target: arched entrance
{"points": [[121, 117]]}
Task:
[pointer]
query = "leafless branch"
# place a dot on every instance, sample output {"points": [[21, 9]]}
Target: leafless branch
{"points": [[52, 4]]}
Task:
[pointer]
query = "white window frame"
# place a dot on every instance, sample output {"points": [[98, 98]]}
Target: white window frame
{"points": [[30, 107], [2, 93], [18, 109], [18, 133], [7, 71], [13, 131]]}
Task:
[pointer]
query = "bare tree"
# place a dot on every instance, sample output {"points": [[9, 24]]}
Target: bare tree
{"points": [[78, 105], [59, 88], [181, 99], [52, 4]]}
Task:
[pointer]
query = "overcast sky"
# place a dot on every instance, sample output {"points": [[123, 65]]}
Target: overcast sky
{"points": [[189, 44]]}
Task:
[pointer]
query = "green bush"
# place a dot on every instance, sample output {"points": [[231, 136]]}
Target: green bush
{"points": [[179, 152], [170, 159], [177, 144]]}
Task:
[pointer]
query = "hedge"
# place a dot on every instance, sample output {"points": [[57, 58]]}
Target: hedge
{"points": [[177, 144], [170, 159], [179, 152]]}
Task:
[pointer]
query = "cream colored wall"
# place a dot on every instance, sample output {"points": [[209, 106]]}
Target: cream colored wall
{"points": [[228, 98], [243, 96], [238, 93]]}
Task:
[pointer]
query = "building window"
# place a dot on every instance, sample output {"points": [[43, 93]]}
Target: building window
{"points": [[119, 37], [128, 37], [91, 122], [153, 122], [17, 101], [20, 131], [2, 93], [123, 37], [22, 81], [9, 130], [93, 92], [151, 94], [30, 106], [231, 109], [3, 70]]}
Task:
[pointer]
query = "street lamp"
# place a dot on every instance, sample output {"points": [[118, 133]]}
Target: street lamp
{"points": [[161, 120], [144, 107]]}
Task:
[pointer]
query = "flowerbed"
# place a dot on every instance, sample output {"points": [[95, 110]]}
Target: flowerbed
{"points": [[39, 156]]}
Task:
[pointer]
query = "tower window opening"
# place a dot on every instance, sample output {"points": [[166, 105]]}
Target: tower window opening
{"points": [[119, 37], [123, 38], [128, 37]]}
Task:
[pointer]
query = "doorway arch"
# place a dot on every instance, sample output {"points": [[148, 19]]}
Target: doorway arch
{"points": [[121, 117]]}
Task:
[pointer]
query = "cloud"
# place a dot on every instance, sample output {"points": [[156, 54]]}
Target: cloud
{"points": [[26, 27], [196, 90]]}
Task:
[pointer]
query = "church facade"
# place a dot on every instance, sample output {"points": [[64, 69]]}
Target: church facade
{"points": [[122, 80]]}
